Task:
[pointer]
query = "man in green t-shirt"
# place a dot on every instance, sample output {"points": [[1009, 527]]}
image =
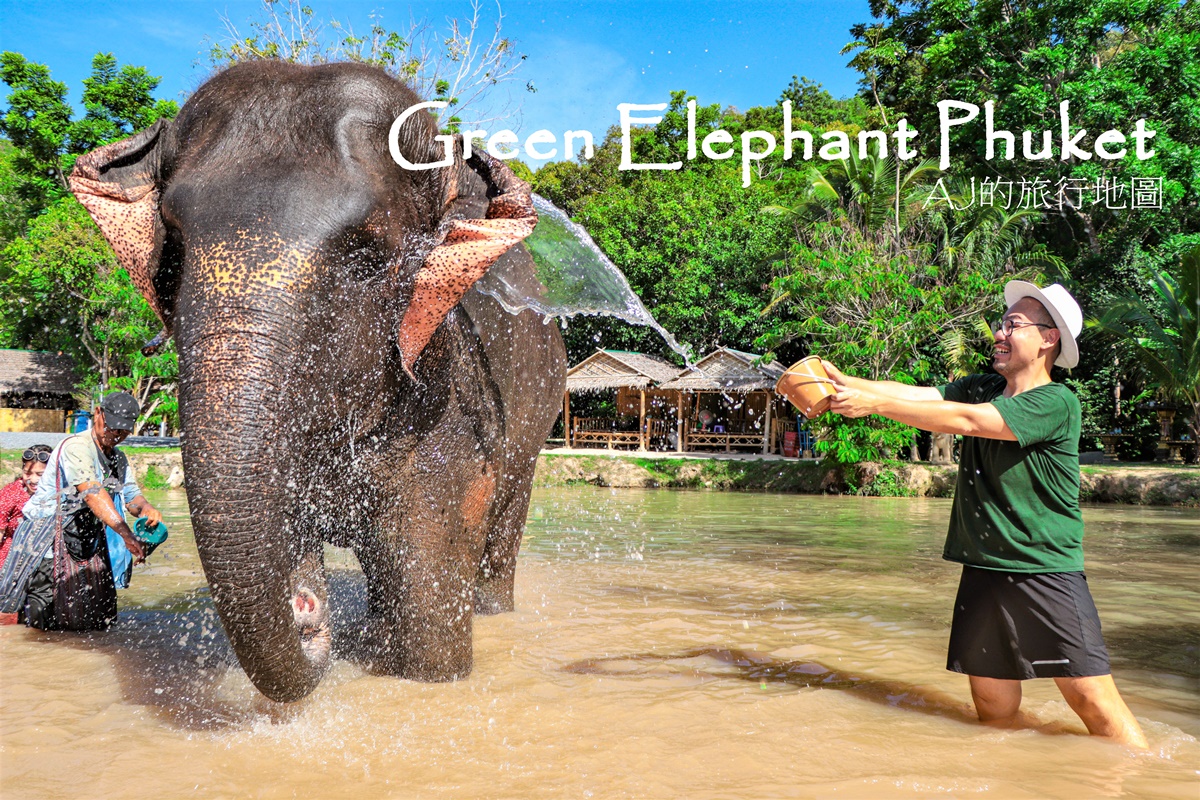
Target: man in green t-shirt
{"points": [[1023, 608]]}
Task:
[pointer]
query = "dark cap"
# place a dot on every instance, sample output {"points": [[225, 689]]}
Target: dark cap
{"points": [[120, 411]]}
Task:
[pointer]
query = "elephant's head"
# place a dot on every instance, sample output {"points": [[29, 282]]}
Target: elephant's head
{"points": [[303, 275]]}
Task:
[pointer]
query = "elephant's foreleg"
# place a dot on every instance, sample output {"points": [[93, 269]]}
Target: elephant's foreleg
{"points": [[494, 583], [421, 629], [423, 565]]}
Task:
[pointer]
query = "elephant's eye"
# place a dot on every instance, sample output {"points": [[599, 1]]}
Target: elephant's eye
{"points": [[358, 257]]}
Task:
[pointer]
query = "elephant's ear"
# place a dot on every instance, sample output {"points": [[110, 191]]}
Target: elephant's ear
{"points": [[468, 249], [118, 186]]}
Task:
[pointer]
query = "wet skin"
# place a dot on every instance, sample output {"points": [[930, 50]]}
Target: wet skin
{"points": [[339, 380]]}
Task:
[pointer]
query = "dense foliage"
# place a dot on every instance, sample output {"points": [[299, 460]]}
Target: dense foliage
{"points": [[891, 269], [60, 286], [1115, 61], [1165, 335]]}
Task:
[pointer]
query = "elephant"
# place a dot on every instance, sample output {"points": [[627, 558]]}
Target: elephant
{"points": [[342, 379]]}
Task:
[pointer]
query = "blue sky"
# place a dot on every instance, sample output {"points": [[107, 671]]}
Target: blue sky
{"points": [[583, 59]]}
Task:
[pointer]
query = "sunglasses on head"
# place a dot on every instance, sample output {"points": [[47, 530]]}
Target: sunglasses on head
{"points": [[36, 455]]}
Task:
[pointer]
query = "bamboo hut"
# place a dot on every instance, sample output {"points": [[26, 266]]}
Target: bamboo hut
{"points": [[728, 401], [645, 414]]}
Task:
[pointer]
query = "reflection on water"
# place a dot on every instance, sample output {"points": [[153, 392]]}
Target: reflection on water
{"points": [[666, 644], [715, 663]]}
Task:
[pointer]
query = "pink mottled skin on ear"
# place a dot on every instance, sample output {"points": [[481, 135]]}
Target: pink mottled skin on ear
{"points": [[127, 216], [465, 254]]}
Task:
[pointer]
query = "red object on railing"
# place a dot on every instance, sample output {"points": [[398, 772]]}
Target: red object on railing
{"points": [[790, 445]]}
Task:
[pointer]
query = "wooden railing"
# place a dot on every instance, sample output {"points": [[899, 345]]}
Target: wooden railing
{"points": [[659, 427], [614, 432], [607, 431], [722, 440]]}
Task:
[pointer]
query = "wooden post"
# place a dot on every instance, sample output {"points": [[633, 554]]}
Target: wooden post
{"points": [[767, 424], [1165, 452], [643, 435], [679, 424], [567, 418]]}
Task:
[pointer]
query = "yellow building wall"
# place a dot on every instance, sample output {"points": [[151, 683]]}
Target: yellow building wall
{"points": [[34, 420]]}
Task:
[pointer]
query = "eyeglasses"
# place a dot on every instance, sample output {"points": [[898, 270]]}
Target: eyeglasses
{"points": [[36, 455], [1008, 326]]}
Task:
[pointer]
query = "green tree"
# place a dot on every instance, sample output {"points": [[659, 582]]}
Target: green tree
{"points": [[817, 107], [38, 124], [1165, 335], [118, 101], [694, 249], [15, 209], [61, 290], [890, 279], [60, 287], [1114, 60], [867, 310]]}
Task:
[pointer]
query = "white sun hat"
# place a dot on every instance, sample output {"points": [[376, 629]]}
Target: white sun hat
{"points": [[1068, 317]]}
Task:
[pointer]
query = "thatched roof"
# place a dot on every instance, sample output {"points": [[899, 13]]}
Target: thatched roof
{"points": [[34, 372], [613, 369], [727, 370]]}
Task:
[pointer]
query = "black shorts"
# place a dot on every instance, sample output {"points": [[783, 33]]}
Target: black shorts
{"points": [[1017, 626]]}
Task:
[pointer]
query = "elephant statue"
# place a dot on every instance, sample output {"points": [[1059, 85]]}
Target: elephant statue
{"points": [[341, 379]]}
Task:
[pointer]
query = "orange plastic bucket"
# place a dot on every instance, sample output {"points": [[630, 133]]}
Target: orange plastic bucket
{"points": [[807, 386]]}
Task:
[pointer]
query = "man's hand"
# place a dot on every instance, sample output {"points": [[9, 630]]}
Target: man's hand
{"points": [[854, 402], [102, 506], [135, 547], [152, 515], [835, 374]]}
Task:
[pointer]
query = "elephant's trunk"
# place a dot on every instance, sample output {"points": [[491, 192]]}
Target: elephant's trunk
{"points": [[236, 416]]}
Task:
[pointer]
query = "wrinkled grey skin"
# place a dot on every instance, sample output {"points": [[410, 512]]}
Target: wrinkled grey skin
{"points": [[280, 248]]}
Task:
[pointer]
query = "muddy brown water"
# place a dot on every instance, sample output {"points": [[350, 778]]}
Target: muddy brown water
{"points": [[666, 645]]}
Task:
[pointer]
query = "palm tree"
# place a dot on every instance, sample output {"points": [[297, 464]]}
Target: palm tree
{"points": [[989, 238], [1165, 338], [870, 192]]}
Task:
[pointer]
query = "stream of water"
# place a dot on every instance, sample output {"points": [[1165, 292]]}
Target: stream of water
{"points": [[665, 645], [574, 278]]}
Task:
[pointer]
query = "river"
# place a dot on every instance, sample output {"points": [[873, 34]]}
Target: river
{"points": [[667, 644]]}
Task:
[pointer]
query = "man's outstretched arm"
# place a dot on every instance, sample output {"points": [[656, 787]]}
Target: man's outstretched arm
{"points": [[937, 416], [901, 391]]}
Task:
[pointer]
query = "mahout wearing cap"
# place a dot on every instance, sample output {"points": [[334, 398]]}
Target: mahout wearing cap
{"points": [[120, 411]]}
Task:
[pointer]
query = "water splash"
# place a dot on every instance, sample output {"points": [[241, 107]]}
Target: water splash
{"points": [[573, 277]]}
